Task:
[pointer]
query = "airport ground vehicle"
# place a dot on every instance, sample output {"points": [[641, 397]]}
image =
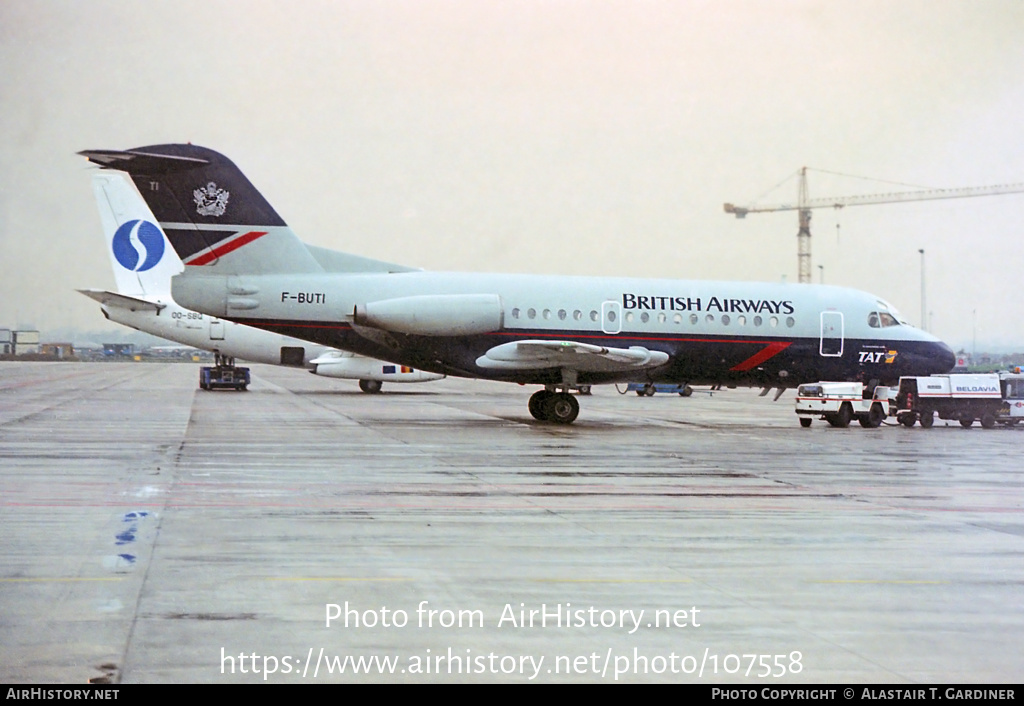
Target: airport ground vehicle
{"points": [[838, 403], [1012, 386], [647, 389], [964, 398], [224, 374]]}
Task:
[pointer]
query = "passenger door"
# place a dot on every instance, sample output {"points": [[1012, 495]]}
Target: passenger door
{"points": [[831, 334], [216, 330]]}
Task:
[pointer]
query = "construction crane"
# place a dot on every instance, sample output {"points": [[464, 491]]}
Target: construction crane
{"points": [[804, 205]]}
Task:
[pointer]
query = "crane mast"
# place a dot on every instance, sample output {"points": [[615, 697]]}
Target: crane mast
{"points": [[803, 235], [804, 205]]}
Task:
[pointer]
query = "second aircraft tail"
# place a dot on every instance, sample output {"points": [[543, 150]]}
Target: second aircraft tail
{"points": [[142, 262]]}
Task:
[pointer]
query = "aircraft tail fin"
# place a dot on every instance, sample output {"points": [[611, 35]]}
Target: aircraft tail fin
{"points": [[210, 212], [142, 262]]}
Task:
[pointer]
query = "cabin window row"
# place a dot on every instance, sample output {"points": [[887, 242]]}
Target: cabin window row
{"points": [[548, 314], [645, 317]]}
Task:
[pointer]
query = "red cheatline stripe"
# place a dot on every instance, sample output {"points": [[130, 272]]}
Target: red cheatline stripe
{"points": [[769, 351], [227, 247]]}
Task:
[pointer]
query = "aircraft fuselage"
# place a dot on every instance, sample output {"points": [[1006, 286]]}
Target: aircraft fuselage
{"points": [[713, 332]]}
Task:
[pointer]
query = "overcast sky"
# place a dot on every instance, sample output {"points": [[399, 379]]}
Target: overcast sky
{"points": [[553, 136]]}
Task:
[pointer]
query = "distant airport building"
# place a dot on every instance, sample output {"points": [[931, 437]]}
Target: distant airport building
{"points": [[57, 350], [6, 341], [118, 349], [26, 342]]}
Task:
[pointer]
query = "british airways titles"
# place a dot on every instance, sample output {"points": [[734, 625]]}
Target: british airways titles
{"points": [[732, 306], [641, 302]]}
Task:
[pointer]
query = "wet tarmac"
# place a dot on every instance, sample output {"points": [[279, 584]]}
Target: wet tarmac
{"points": [[306, 532]]}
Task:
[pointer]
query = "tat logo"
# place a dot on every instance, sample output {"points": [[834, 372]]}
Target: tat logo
{"points": [[138, 245], [888, 357]]}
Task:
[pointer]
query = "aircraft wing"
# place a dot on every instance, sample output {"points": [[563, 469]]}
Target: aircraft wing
{"points": [[121, 300], [572, 355]]}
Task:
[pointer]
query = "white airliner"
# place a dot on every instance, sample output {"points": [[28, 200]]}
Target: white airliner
{"points": [[243, 263], [143, 267]]}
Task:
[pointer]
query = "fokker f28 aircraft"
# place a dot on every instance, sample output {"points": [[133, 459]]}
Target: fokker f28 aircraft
{"points": [[143, 266], [245, 264]]}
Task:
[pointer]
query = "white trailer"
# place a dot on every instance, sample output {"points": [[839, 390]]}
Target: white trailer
{"points": [[964, 398], [838, 403], [1012, 385]]}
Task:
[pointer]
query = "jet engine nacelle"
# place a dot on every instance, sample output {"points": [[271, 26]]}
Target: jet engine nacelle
{"points": [[434, 314], [350, 367]]}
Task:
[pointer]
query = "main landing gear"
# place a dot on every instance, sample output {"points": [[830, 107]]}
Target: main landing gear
{"points": [[551, 406], [370, 387]]}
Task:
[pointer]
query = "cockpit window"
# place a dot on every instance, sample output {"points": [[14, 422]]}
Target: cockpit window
{"points": [[882, 319], [887, 309]]}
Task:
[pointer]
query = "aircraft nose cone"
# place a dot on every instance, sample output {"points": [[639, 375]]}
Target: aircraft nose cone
{"points": [[944, 357]]}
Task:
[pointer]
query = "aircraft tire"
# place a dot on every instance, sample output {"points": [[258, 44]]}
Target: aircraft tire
{"points": [[686, 392], [561, 408], [805, 422], [536, 405], [927, 419], [370, 387], [649, 390]]}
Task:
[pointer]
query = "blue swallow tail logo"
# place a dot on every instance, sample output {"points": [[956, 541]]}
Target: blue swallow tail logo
{"points": [[138, 245]]}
